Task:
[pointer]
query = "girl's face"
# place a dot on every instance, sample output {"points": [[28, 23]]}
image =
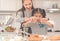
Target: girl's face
{"points": [[27, 4], [38, 15]]}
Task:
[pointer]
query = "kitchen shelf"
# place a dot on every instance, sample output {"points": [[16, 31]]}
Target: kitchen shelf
{"points": [[3, 12], [56, 9], [8, 10], [52, 10]]}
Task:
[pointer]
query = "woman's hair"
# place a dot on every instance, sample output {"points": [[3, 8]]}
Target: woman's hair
{"points": [[39, 10], [23, 8]]}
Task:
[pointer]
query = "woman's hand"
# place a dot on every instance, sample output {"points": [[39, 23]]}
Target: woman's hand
{"points": [[33, 19], [27, 22], [30, 19], [27, 19]]}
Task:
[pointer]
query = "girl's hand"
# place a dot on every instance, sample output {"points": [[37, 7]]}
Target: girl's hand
{"points": [[46, 19], [43, 20]]}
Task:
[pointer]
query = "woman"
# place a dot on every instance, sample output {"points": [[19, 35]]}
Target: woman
{"points": [[26, 11]]}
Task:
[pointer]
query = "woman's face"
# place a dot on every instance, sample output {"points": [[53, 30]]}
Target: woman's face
{"points": [[38, 15], [27, 4]]}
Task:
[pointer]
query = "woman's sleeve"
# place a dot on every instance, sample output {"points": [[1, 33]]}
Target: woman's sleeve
{"points": [[52, 22], [19, 17]]}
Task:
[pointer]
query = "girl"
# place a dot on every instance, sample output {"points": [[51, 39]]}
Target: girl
{"points": [[40, 24], [24, 14]]}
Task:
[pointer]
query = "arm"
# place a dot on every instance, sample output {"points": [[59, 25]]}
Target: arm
{"points": [[30, 21], [26, 24], [45, 21], [49, 24], [20, 18]]}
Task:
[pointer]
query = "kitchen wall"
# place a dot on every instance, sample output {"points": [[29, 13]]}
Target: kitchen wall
{"points": [[16, 4], [56, 18], [10, 5], [41, 4]]}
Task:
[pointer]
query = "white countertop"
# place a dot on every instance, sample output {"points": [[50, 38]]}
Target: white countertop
{"points": [[12, 35]]}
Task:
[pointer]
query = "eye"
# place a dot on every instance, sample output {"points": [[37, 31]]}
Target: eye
{"points": [[36, 16], [29, 3], [39, 16], [25, 4]]}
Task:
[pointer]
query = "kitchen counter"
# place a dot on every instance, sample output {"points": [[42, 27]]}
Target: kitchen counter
{"points": [[10, 36]]}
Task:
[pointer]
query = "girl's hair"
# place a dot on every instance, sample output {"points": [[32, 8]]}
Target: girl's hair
{"points": [[39, 10], [23, 8]]}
